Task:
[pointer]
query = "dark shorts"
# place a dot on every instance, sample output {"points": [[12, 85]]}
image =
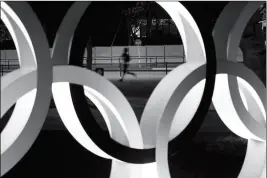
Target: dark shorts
{"points": [[125, 67]]}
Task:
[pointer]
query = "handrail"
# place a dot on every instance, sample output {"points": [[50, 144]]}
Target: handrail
{"points": [[7, 65], [149, 60]]}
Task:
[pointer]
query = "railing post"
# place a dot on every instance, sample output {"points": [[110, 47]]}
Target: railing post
{"points": [[120, 65], [95, 55], [164, 54], [146, 61], [111, 55], [146, 56], [166, 68], [183, 55]]}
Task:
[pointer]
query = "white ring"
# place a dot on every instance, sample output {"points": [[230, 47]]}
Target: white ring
{"points": [[33, 52], [163, 118]]}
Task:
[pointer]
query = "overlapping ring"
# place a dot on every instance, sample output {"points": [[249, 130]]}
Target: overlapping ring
{"points": [[159, 123]]}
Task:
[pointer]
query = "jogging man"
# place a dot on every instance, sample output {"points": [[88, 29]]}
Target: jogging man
{"points": [[126, 60]]}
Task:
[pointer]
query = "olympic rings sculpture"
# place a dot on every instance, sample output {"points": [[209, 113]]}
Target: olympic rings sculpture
{"points": [[237, 94]]}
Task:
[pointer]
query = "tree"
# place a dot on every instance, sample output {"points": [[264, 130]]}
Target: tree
{"points": [[253, 44], [4, 34], [131, 16], [263, 16]]}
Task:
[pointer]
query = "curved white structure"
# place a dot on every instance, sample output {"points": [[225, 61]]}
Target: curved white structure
{"points": [[238, 102]]}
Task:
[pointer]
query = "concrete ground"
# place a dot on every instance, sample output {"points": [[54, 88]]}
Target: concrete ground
{"points": [[214, 152], [137, 91], [56, 154]]}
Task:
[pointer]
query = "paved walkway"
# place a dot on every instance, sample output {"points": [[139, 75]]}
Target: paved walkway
{"points": [[137, 91], [62, 156]]}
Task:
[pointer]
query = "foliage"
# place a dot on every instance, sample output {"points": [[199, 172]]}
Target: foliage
{"points": [[263, 15], [132, 14], [263, 11], [135, 10], [143, 14], [4, 34]]}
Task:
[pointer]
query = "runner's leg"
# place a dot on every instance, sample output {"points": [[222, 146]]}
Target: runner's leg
{"points": [[124, 71], [131, 73]]}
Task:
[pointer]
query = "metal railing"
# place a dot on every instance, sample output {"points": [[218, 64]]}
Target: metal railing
{"points": [[148, 59], [148, 63], [8, 65], [137, 64]]}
